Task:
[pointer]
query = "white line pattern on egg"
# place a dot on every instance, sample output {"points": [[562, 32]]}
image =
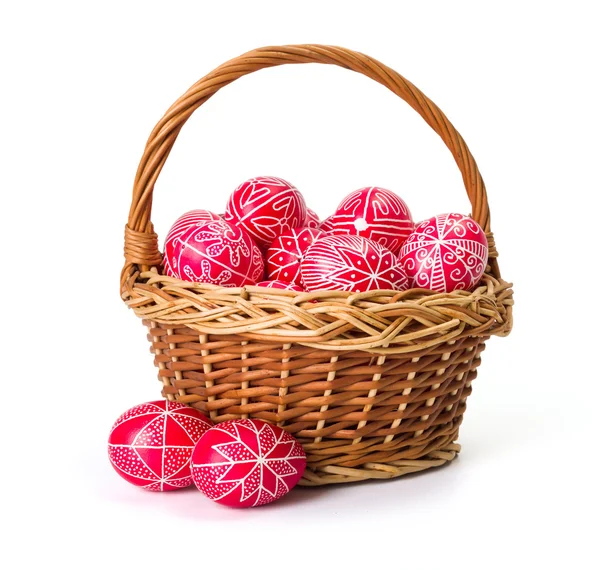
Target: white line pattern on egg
{"points": [[286, 253], [148, 458], [374, 213], [351, 263], [218, 253], [182, 224], [265, 207], [445, 253], [255, 477]]}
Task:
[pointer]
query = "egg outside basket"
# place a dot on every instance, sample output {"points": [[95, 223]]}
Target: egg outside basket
{"points": [[374, 385]]}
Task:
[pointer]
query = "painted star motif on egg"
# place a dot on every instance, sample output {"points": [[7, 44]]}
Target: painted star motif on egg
{"points": [[247, 463], [351, 263], [287, 252], [150, 445]]}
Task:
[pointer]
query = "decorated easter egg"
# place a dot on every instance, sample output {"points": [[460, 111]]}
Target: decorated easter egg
{"points": [[312, 219], [351, 263], [374, 213], [218, 253], [327, 224], [266, 207], [182, 223], [150, 445], [445, 253], [247, 463], [286, 253], [275, 284]]}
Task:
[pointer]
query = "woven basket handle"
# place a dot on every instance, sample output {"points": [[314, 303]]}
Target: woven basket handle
{"points": [[141, 243]]}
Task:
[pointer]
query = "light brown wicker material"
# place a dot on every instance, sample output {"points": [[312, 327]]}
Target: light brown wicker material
{"points": [[373, 384]]}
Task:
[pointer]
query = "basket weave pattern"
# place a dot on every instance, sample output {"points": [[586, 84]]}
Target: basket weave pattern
{"points": [[373, 384]]}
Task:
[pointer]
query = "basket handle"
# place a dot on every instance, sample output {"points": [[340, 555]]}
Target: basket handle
{"points": [[141, 243]]}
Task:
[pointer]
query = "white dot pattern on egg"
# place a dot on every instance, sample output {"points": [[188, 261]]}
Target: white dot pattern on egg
{"points": [[247, 463], [150, 445], [130, 463], [286, 253]]}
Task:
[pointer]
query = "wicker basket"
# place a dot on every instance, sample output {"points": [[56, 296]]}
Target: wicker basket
{"points": [[373, 384]]}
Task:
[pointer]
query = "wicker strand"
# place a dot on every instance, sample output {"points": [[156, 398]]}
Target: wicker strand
{"points": [[141, 248], [380, 471]]}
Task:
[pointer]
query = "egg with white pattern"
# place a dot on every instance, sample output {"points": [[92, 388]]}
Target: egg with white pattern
{"points": [[151, 444], [247, 463]]}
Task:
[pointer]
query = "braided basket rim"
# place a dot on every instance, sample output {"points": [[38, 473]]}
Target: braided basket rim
{"points": [[380, 322]]}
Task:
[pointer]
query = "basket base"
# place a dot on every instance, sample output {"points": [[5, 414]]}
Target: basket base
{"points": [[331, 474]]}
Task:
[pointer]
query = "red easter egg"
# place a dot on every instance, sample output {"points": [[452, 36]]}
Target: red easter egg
{"points": [[266, 207], [312, 219], [374, 213], [327, 224], [247, 463], [445, 253], [183, 223], [286, 253], [351, 263], [219, 253], [275, 284], [167, 268], [150, 445]]}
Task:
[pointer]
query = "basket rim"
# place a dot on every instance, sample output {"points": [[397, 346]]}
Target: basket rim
{"points": [[381, 322]]}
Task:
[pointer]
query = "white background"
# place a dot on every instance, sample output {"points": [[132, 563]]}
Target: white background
{"points": [[83, 84]]}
